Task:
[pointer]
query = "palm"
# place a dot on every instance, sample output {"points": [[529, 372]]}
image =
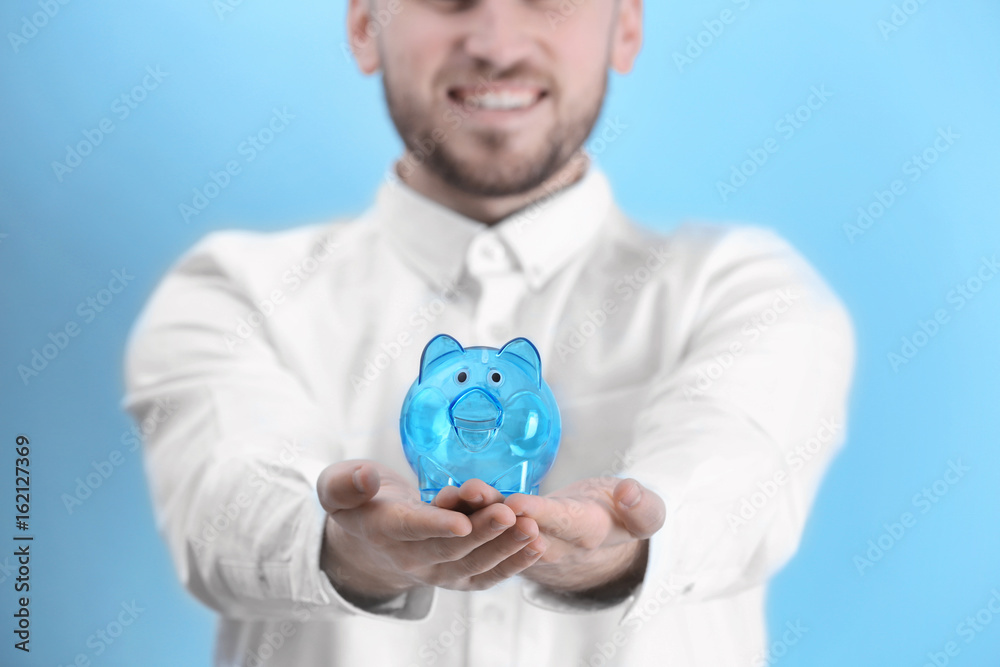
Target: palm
{"points": [[381, 538], [593, 538]]}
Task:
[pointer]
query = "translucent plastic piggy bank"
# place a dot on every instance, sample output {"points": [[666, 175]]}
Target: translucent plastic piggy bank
{"points": [[480, 413]]}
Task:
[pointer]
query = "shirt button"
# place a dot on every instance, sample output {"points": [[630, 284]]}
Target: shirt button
{"points": [[490, 251]]}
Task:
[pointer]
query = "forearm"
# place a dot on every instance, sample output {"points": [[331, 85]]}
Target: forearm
{"points": [[247, 534], [714, 457], [703, 478], [609, 575], [765, 372], [360, 577], [232, 468], [244, 532]]}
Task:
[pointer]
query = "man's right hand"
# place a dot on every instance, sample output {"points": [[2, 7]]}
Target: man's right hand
{"points": [[382, 540]]}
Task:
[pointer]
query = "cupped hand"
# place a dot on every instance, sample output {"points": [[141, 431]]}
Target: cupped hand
{"points": [[596, 530], [382, 540]]}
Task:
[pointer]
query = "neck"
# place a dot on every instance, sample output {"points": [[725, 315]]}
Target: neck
{"points": [[490, 210]]}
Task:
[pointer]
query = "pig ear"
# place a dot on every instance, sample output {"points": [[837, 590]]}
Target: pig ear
{"points": [[523, 353], [438, 347]]}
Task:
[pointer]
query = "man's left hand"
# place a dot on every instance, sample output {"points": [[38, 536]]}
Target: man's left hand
{"points": [[597, 530]]}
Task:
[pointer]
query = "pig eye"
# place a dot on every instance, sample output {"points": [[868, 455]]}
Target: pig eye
{"points": [[461, 377], [495, 377]]}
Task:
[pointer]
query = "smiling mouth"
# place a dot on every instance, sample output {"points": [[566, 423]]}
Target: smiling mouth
{"points": [[476, 416], [475, 434], [500, 98], [475, 439]]}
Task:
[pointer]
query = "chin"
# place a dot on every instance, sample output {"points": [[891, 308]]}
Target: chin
{"points": [[496, 173], [488, 182]]}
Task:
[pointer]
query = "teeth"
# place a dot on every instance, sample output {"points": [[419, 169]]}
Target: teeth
{"points": [[502, 100]]}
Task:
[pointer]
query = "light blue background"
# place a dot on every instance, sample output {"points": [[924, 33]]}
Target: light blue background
{"points": [[685, 131]]}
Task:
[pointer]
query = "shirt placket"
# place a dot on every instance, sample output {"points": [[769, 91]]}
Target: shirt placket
{"points": [[502, 288], [492, 640], [493, 636]]}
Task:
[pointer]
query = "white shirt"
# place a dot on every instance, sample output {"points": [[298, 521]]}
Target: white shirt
{"points": [[710, 363]]}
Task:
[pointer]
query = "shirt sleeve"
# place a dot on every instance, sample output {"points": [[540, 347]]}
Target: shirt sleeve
{"points": [[233, 446], [744, 416]]}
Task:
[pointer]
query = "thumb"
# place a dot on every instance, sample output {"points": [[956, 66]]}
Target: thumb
{"points": [[641, 511], [347, 485]]}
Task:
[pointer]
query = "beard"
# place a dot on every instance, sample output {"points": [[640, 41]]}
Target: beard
{"points": [[500, 173]]}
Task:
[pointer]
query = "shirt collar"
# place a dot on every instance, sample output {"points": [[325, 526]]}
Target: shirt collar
{"points": [[542, 237]]}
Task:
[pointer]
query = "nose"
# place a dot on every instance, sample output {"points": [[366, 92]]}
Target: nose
{"points": [[476, 410], [499, 33], [476, 415]]}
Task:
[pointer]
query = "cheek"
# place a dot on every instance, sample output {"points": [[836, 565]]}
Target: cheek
{"points": [[414, 50], [580, 89], [582, 57]]}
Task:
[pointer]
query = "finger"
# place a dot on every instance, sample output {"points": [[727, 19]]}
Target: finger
{"points": [[582, 522], [640, 511], [347, 485], [405, 521], [511, 566], [490, 555], [487, 524], [478, 494], [447, 498], [473, 495]]}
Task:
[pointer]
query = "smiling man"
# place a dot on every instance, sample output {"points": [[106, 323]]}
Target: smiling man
{"points": [[689, 368], [503, 97]]}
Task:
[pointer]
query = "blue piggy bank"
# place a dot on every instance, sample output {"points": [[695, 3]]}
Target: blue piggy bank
{"points": [[481, 413]]}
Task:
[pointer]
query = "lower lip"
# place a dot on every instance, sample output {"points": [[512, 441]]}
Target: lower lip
{"points": [[478, 446], [495, 116]]}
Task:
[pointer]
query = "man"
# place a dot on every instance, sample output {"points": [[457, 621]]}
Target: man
{"points": [[701, 377]]}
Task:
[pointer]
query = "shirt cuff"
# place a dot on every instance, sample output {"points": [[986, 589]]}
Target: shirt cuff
{"points": [[568, 603], [660, 587]]}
